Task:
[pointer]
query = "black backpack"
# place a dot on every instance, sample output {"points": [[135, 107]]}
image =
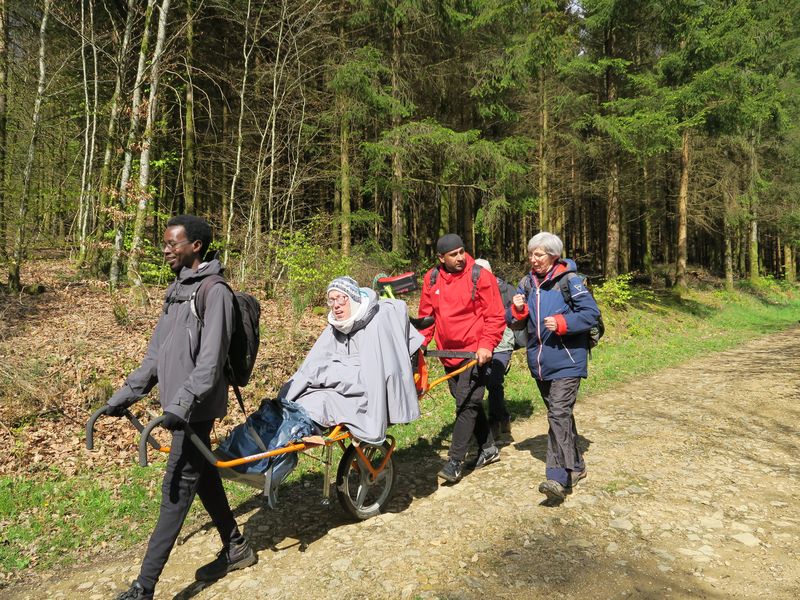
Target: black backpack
{"points": [[246, 336], [597, 330]]}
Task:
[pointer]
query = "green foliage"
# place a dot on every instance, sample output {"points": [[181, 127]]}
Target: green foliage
{"points": [[618, 293], [309, 266]]}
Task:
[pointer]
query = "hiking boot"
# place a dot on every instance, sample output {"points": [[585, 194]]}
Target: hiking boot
{"points": [[232, 557], [486, 457], [575, 477], [452, 471], [553, 490], [136, 592]]}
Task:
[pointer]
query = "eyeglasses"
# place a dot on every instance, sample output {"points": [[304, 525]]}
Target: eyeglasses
{"points": [[337, 301], [539, 255], [173, 245]]}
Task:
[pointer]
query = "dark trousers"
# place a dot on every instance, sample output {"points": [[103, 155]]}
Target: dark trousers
{"points": [[495, 376], [467, 388], [563, 456], [188, 473]]}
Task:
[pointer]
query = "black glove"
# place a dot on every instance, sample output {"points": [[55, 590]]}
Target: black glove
{"points": [[116, 410], [173, 422]]}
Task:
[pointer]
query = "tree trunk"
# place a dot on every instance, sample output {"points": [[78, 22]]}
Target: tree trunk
{"points": [[544, 200], [399, 244], [788, 263], [104, 186], [3, 121], [239, 136], [754, 272], [134, 277], [189, 160], [683, 215], [136, 102], [728, 235], [647, 229], [611, 267], [85, 205], [14, 282], [344, 184]]}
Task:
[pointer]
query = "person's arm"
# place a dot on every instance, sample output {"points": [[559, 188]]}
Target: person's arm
{"points": [[139, 383], [215, 339], [582, 315], [426, 308], [491, 306]]}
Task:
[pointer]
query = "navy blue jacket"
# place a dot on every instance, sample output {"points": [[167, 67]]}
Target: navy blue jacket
{"points": [[565, 351]]}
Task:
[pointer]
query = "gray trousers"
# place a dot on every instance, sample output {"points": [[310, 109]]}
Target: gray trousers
{"points": [[563, 455], [187, 474]]}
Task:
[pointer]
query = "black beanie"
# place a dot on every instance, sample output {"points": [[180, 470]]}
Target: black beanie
{"points": [[448, 243]]}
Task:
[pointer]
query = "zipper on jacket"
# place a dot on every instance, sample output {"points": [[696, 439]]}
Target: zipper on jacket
{"points": [[538, 333], [561, 339]]}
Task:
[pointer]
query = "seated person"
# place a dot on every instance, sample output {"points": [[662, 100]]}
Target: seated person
{"points": [[359, 372]]}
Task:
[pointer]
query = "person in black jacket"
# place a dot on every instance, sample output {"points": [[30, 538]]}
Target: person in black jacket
{"points": [[499, 417], [188, 368]]}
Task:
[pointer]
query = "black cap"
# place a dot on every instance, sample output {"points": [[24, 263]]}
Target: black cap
{"points": [[449, 242]]}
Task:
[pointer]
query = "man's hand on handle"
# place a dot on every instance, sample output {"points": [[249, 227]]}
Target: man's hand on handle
{"points": [[484, 355]]}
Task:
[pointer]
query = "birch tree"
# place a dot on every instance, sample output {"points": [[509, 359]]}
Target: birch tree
{"points": [[19, 240]]}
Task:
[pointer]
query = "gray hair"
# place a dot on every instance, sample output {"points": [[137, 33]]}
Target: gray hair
{"points": [[549, 242]]}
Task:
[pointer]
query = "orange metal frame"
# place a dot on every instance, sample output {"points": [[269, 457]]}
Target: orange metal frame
{"points": [[337, 435]]}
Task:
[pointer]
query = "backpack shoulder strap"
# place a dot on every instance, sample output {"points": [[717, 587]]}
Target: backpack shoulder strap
{"points": [[526, 283], [563, 284], [434, 275], [201, 294], [476, 273]]}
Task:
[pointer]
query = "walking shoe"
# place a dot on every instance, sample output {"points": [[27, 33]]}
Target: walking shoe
{"points": [[452, 471], [232, 557], [136, 592], [486, 457], [553, 490], [575, 477]]}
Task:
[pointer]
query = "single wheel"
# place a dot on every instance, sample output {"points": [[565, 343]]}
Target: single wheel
{"points": [[361, 495]]}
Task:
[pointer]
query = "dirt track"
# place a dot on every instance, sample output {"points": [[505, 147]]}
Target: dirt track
{"points": [[692, 492]]}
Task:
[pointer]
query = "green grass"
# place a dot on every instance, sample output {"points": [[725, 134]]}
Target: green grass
{"points": [[45, 520]]}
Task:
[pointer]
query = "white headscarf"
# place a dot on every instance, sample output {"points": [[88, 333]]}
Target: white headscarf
{"points": [[357, 311]]}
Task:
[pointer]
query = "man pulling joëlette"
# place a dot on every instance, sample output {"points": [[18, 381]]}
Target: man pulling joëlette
{"points": [[467, 316]]}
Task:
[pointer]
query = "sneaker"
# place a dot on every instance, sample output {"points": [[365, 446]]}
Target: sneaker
{"points": [[553, 490], [232, 557], [452, 471], [135, 592], [487, 457], [575, 477]]}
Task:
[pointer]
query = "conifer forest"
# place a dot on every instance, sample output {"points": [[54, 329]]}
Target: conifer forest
{"points": [[652, 136]]}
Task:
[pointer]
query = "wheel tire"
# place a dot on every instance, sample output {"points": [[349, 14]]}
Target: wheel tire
{"points": [[359, 497]]}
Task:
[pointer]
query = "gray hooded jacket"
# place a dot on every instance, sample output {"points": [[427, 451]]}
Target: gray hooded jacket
{"points": [[183, 358], [363, 379]]}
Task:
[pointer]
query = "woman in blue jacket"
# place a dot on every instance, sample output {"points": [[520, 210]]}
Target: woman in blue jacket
{"points": [[558, 350]]}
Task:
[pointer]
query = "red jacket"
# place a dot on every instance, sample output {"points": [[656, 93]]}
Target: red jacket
{"points": [[462, 323]]}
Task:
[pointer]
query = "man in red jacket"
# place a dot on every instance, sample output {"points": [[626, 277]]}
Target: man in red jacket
{"points": [[468, 315]]}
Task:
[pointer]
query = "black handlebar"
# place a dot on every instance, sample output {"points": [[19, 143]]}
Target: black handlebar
{"points": [[134, 421], [143, 440]]}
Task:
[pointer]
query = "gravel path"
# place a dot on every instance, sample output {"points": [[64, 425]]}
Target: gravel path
{"points": [[692, 493]]}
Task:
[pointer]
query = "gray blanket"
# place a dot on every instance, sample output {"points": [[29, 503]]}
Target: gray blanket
{"points": [[363, 379]]}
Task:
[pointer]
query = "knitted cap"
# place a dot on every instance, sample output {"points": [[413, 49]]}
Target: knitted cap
{"points": [[449, 242], [346, 285]]}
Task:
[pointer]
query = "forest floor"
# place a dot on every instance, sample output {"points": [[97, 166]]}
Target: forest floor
{"points": [[692, 492]]}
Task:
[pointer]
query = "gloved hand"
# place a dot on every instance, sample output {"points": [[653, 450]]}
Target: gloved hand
{"points": [[173, 422], [117, 410]]}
